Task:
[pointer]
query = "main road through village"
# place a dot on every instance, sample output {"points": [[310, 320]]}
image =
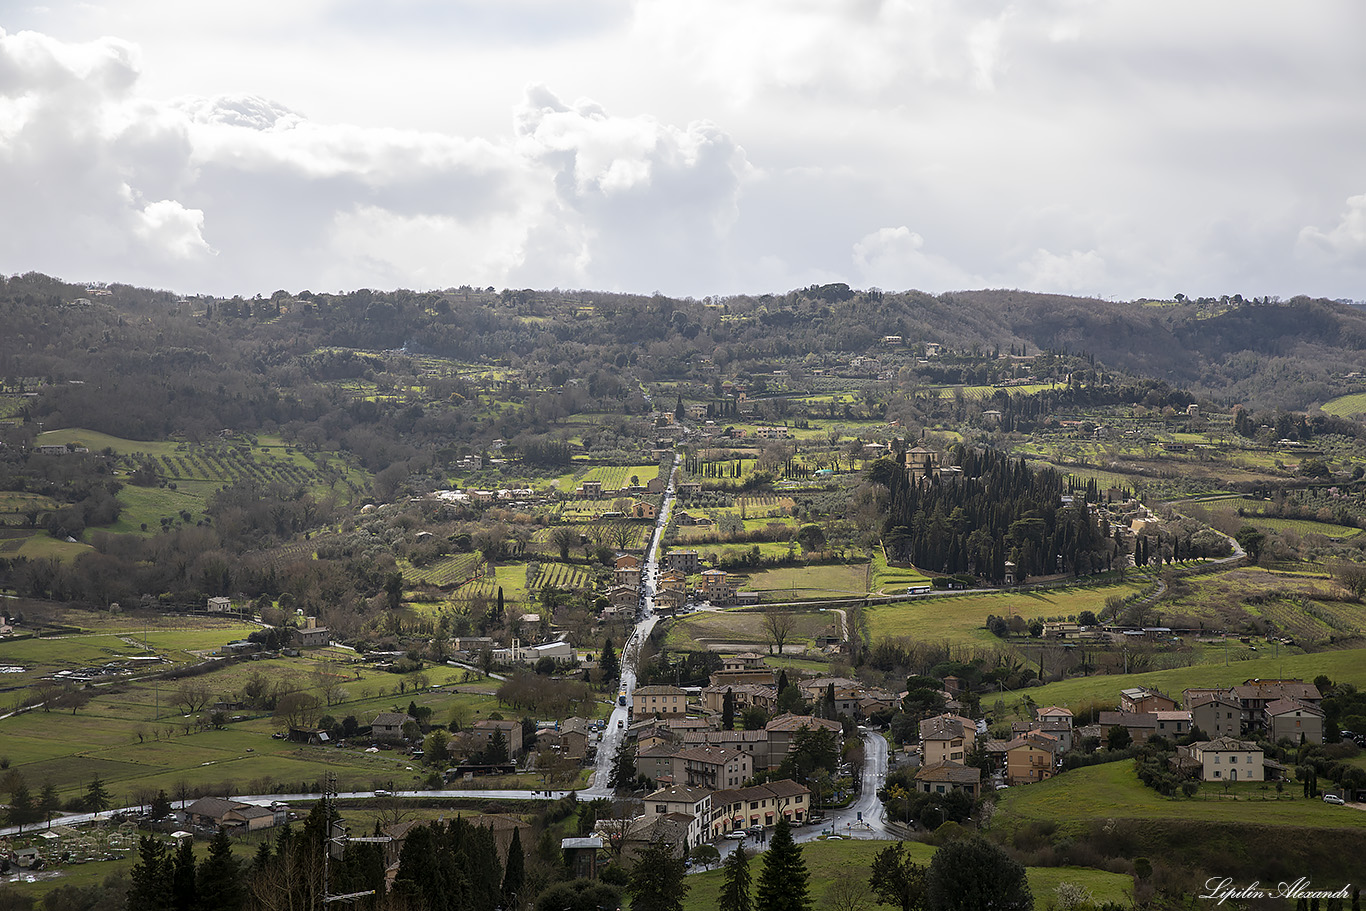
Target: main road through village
{"points": [[862, 819]]}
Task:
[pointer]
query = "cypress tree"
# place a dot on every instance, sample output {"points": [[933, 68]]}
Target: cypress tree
{"points": [[784, 881], [514, 876], [728, 710]]}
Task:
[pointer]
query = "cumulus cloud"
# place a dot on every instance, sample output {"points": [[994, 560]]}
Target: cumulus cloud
{"points": [[1345, 242], [168, 226], [639, 202]]}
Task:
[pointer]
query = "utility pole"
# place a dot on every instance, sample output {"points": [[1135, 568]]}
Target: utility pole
{"points": [[336, 836]]}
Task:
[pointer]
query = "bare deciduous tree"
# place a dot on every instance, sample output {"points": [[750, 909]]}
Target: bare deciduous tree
{"points": [[778, 626]]}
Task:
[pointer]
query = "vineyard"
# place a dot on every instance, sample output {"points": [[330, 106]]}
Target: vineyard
{"points": [[217, 464], [454, 570], [560, 575]]}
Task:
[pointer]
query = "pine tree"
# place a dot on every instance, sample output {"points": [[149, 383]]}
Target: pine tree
{"points": [[514, 874], [784, 881], [658, 879], [49, 802], [183, 892], [728, 710], [22, 809], [219, 878], [149, 887], [735, 882], [96, 797]]}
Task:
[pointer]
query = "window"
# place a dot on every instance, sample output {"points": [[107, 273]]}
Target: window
{"points": [[1233, 759]]}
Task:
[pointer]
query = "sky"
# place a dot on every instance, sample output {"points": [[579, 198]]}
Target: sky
{"points": [[1113, 148]]}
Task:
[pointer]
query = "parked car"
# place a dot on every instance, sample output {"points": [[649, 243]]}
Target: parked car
{"points": [[1334, 799]]}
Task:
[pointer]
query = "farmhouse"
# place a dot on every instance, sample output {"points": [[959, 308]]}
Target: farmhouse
{"points": [[1227, 759]]}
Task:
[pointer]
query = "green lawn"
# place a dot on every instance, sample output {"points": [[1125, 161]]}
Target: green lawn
{"points": [[827, 861], [894, 579], [1113, 791]]}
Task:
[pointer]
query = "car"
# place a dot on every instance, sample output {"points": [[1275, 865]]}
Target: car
{"points": [[737, 835], [381, 792], [1334, 799], [620, 723], [834, 837]]}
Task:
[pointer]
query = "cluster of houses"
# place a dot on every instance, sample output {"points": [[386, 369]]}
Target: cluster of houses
{"points": [[672, 593], [1269, 709]]}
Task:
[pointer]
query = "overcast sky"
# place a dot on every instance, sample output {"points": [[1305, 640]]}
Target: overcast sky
{"points": [[694, 147]]}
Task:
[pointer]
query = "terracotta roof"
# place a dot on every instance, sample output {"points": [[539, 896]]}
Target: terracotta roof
{"points": [[954, 772]]}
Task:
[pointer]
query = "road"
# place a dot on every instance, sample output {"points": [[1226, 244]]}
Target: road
{"points": [[618, 721]]}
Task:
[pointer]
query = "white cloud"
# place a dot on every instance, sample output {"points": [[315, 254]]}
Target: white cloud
{"points": [[1345, 243], [168, 226]]}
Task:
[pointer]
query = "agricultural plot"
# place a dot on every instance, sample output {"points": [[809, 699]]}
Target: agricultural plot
{"points": [[1310, 609], [889, 580], [17, 509], [198, 470], [800, 583], [1113, 791], [134, 735], [1347, 405], [453, 570], [961, 619], [737, 630]]}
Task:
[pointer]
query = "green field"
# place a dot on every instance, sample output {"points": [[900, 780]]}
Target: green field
{"points": [[827, 861], [1112, 790], [133, 735], [890, 580], [190, 473], [962, 618], [797, 583], [1347, 665], [1347, 405]]}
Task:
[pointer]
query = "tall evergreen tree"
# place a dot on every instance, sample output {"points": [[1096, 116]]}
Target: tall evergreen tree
{"points": [[514, 873], [609, 665], [728, 710], [49, 802], [183, 892], [96, 797], [149, 882], [22, 809], [783, 882], [623, 766], [735, 882], [896, 879], [658, 879], [218, 880]]}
